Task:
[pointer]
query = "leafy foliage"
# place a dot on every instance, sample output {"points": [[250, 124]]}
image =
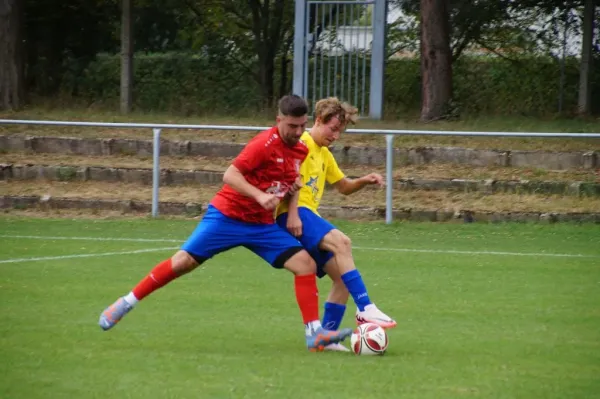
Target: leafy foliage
{"points": [[214, 52], [191, 84]]}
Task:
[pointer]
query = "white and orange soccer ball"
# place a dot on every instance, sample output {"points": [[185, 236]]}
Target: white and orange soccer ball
{"points": [[369, 339]]}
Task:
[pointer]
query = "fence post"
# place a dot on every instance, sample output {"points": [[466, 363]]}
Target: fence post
{"points": [[378, 59], [299, 44], [155, 171], [389, 171]]}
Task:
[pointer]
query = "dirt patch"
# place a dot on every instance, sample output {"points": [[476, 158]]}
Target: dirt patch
{"points": [[372, 198]]}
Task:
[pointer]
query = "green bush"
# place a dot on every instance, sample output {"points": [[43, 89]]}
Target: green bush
{"points": [[192, 84], [527, 87], [170, 82]]}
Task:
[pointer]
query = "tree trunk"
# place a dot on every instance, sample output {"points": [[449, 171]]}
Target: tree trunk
{"points": [[126, 57], [283, 84], [436, 59], [586, 58], [12, 73], [266, 72]]}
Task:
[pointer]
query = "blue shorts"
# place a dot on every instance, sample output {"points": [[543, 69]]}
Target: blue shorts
{"points": [[314, 228], [217, 233]]}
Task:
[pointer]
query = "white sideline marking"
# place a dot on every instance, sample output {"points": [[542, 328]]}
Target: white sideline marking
{"points": [[94, 238], [139, 251], [425, 251]]}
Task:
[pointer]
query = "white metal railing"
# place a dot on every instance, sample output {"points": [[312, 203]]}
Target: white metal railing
{"points": [[389, 138]]}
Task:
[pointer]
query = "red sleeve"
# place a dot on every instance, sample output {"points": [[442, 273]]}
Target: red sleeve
{"points": [[252, 156]]}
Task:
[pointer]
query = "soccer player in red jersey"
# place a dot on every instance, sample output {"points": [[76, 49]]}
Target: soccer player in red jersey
{"points": [[242, 214]]}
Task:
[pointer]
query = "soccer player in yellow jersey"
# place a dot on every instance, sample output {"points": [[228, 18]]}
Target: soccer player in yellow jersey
{"points": [[330, 248]]}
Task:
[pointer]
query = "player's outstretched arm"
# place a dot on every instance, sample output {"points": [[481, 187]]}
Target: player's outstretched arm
{"points": [[349, 186]]}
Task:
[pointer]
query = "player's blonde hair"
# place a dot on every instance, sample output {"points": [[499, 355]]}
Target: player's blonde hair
{"points": [[331, 107]]}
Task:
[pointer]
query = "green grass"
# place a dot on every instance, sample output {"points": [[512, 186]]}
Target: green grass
{"points": [[473, 324]]}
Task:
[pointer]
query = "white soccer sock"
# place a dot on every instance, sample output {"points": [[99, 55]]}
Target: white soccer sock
{"points": [[131, 299], [311, 327]]}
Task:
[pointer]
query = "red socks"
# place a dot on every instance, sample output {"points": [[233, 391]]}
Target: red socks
{"points": [[307, 295], [159, 276]]}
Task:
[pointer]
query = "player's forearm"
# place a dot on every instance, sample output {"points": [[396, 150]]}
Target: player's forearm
{"points": [[293, 203], [236, 180], [350, 186]]}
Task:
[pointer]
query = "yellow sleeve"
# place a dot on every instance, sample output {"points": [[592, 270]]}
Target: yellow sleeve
{"points": [[333, 172]]}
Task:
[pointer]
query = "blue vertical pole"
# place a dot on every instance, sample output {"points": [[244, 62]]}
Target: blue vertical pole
{"points": [[378, 59], [299, 44], [155, 171], [389, 174]]}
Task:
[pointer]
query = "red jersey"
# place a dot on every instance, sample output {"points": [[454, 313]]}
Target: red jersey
{"points": [[269, 165]]}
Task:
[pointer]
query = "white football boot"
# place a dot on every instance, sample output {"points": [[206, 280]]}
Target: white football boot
{"points": [[373, 315], [337, 347]]}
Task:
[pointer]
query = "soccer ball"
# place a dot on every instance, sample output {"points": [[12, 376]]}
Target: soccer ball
{"points": [[369, 339]]}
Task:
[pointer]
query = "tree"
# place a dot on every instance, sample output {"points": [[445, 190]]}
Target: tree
{"points": [[548, 6], [436, 60], [126, 56], [250, 33], [11, 55], [63, 37], [586, 58], [468, 20]]}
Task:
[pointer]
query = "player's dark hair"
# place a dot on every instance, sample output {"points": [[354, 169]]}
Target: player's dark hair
{"points": [[293, 105]]}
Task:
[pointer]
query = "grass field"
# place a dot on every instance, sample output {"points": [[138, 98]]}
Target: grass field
{"points": [[486, 311]]}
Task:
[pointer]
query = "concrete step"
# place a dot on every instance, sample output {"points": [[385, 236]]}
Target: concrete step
{"points": [[346, 155], [173, 177], [347, 139], [424, 171]]}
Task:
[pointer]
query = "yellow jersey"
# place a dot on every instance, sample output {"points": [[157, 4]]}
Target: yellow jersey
{"points": [[318, 167]]}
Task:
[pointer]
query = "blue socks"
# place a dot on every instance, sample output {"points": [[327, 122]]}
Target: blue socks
{"points": [[357, 288], [334, 313]]}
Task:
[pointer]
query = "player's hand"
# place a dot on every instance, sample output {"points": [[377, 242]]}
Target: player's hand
{"points": [[296, 186], [268, 201], [374, 178], [294, 224]]}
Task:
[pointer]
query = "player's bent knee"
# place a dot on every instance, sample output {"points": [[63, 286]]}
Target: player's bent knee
{"points": [[300, 263], [184, 262], [337, 242]]}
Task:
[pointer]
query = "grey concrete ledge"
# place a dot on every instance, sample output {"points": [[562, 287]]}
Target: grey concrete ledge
{"points": [[196, 209], [170, 177], [550, 160]]}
